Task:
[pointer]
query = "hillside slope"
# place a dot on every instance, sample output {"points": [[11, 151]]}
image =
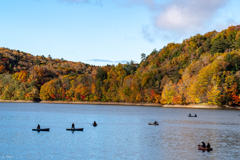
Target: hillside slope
{"points": [[201, 69]]}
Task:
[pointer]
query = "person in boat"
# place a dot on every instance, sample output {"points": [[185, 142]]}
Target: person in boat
{"points": [[155, 122], [189, 115], [203, 145], [195, 115], [38, 127], [208, 145], [73, 126]]}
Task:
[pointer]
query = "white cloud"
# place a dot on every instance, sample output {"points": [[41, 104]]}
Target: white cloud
{"points": [[176, 17], [179, 17], [189, 15]]}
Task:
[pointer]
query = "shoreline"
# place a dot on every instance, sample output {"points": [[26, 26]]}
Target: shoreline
{"points": [[193, 106], [16, 101], [105, 103]]}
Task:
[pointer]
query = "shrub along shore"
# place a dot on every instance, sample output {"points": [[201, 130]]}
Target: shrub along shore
{"points": [[196, 106]]}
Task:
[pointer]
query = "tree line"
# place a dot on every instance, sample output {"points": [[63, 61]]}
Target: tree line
{"points": [[203, 69]]}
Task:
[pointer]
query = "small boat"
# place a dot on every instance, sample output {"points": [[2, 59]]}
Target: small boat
{"points": [[153, 124], [74, 129], [94, 124], [204, 149], [42, 129], [192, 116]]}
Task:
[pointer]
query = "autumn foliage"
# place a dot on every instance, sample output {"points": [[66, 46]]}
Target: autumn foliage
{"points": [[204, 69]]}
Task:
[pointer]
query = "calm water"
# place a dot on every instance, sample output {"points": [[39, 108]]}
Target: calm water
{"points": [[122, 132]]}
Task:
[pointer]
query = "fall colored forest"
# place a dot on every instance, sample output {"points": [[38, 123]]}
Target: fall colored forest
{"points": [[204, 69]]}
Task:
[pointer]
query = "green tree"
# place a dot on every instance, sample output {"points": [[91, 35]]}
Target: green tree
{"points": [[219, 45], [143, 56]]}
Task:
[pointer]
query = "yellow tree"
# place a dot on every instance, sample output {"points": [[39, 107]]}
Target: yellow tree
{"points": [[213, 93], [48, 91], [168, 93], [22, 76]]}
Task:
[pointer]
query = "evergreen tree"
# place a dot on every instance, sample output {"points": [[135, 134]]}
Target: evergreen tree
{"points": [[219, 45]]}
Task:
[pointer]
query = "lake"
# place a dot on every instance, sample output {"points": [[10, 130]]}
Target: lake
{"points": [[122, 132]]}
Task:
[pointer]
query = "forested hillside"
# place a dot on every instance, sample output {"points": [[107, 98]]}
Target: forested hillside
{"points": [[201, 69]]}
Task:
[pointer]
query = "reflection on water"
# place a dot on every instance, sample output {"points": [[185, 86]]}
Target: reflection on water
{"points": [[122, 132]]}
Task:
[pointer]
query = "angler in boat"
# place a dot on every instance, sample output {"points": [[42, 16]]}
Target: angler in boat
{"points": [[74, 129], [155, 123], [208, 145], [40, 129], [73, 126], [203, 145], [94, 123], [189, 115], [204, 148]]}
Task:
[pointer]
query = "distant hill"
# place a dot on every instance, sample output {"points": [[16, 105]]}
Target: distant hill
{"points": [[13, 61], [201, 69]]}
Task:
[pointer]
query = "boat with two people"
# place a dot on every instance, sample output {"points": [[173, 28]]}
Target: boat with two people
{"points": [[203, 147], [189, 115]]}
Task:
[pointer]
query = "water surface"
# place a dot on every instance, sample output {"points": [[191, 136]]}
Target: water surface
{"points": [[122, 132]]}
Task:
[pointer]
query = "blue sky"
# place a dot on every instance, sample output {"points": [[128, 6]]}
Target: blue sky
{"points": [[102, 32]]}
